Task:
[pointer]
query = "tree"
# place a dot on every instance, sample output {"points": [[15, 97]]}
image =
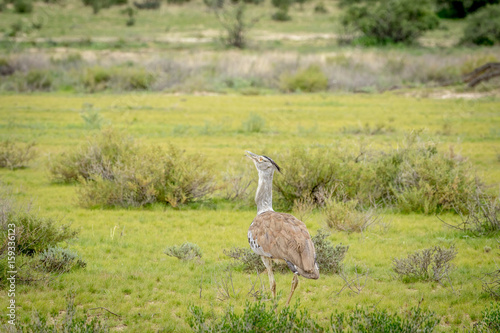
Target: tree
{"points": [[233, 19], [391, 21]]}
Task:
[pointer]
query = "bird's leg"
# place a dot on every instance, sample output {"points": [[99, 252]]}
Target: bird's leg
{"points": [[269, 265], [295, 283]]}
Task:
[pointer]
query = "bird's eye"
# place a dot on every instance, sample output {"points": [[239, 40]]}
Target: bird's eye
{"points": [[260, 159]]}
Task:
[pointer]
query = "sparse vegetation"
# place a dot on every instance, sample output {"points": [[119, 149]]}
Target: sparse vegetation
{"points": [[328, 257]]}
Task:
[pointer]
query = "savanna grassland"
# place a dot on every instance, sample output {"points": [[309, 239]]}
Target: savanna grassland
{"points": [[127, 271], [167, 81]]}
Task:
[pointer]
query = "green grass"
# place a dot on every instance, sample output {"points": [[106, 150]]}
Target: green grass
{"points": [[127, 271]]}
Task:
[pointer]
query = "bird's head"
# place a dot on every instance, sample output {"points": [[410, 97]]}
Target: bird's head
{"points": [[263, 163]]}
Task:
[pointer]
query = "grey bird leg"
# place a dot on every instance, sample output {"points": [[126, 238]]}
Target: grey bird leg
{"points": [[269, 265], [295, 283]]}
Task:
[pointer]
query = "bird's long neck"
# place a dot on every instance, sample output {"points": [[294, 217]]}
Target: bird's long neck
{"points": [[264, 195]]}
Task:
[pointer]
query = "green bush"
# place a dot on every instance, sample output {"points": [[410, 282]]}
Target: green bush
{"points": [[186, 251], [412, 178], [116, 78], [115, 171], [59, 260], [460, 8], [15, 156], [347, 216], [392, 21], [375, 320], [253, 124], [328, 257], [23, 6], [483, 27], [310, 79], [490, 321], [256, 317], [35, 234]]}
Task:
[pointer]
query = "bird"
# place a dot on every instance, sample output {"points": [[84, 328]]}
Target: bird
{"points": [[279, 236]]}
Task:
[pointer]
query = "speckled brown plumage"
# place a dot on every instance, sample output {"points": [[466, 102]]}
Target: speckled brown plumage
{"points": [[285, 237]]}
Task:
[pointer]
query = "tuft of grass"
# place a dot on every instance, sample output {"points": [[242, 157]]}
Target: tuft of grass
{"points": [[185, 251], [253, 124], [59, 260]]}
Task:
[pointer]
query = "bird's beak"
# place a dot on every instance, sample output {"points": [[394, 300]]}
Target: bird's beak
{"points": [[251, 155]]}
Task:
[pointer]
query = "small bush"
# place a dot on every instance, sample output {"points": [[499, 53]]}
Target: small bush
{"points": [[432, 264], [281, 15], [311, 79], [483, 27], [256, 317], [328, 257], [117, 78], [35, 234], [393, 21], [115, 171], [320, 8], [250, 260], [15, 156], [363, 320], [186, 251], [345, 216], [23, 6], [490, 321], [59, 260]]}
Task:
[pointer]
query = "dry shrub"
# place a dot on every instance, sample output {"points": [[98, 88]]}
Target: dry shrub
{"points": [[116, 171], [346, 216], [100, 78], [59, 260], [432, 264], [491, 284], [15, 155]]}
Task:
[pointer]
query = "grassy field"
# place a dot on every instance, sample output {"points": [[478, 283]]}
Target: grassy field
{"points": [[127, 271]]}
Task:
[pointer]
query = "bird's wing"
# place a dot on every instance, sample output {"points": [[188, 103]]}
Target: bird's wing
{"points": [[283, 236]]}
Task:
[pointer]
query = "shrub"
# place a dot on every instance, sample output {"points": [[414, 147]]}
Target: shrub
{"points": [[483, 27], [251, 261], [344, 216], [39, 80], [328, 257], [460, 8], [375, 320], [394, 21], [97, 5], [490, 321], [35, 234], [115, 171], [256, 317], [186, 251], [282, 13], [310, 79], [320, 8], [23, 6], [432, 264], [59, 260], [15, 156]]}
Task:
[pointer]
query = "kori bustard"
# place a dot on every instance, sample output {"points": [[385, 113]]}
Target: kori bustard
{"points": [[279, 236]]}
